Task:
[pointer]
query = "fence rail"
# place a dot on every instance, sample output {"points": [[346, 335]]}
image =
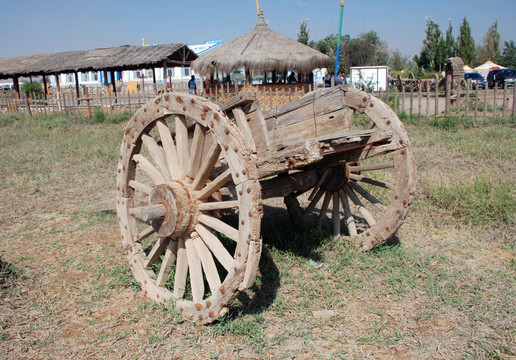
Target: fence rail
{"points": [[423, 100]]}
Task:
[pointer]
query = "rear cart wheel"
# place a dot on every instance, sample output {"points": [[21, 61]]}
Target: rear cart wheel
{"points": [[364, 186]]}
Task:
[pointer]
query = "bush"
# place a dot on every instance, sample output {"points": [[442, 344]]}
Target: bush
{"points": [[31, 88], [98, 115]]}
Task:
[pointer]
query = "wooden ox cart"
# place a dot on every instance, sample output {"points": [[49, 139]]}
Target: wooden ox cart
{"points": [[192, 176]]}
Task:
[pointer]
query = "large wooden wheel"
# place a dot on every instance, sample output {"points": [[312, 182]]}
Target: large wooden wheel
{"points": [[365, 185], [189, 205]]}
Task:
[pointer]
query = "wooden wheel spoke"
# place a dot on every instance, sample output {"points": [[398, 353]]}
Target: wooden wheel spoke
{"points": [[182, 144], [156, 251], [324, 208], [372, 167], [216, 247], [319, 183], [145, 233], [207, 166], [195, 270], [336, 214], [157, 155], [371, 181], [218, 205], [350, 220], [136, 185], [219, 226], [368, 196], [149, 169], [166, 264], [169, 149], [215, 185], [361, 208], [314, 202], [181, 270], [196, 150], [208, 264]]}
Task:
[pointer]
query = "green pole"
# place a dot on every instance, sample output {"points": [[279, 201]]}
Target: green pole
{"points": [[338, 40]]}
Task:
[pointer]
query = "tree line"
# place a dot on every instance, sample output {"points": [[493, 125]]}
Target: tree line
{"points": [[368, 49]]}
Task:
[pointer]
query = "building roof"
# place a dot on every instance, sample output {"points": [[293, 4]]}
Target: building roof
{"points": [[260, 50], [114, 58]]}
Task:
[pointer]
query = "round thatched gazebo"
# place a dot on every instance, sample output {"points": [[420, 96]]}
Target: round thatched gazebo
{"points": [[259, 52]]}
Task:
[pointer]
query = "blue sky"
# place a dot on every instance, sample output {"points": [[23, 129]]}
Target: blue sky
{"points": [[31, 27]]}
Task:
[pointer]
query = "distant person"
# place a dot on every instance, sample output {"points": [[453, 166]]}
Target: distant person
{"points": [[192, 86], [292, 78], [341, 78], [207, 87], [327, 79]]}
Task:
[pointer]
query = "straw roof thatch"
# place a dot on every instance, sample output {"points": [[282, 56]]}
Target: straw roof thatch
{"points": [[115, 58], [261, 49]]}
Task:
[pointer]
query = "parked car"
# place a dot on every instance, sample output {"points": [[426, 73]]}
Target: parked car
{"points": [[500, 77], [477, 80]]}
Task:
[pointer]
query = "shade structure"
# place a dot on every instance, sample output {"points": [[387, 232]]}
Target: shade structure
{"points": [[261, 49], [485, 67]]}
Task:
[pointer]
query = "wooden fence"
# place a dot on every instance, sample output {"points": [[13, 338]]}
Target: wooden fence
{"points": [[423, 100]]}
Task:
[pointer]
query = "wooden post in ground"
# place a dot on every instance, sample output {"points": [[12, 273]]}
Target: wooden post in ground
{"points": [[436, 97], [448, 95], [494, 101], [466, 105], [476, 104], [485, 102], [513, 100], [504, 100]]}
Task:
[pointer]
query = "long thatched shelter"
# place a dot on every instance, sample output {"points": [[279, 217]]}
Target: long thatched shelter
{"points": [[104, 59], [261, 50]]}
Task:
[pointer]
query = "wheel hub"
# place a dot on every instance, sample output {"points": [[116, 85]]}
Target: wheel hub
{"points": [[180, 210], [338, 177]]}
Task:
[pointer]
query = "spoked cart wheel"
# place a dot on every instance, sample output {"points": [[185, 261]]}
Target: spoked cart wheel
{"points": [[366, 180], [189, 205]]}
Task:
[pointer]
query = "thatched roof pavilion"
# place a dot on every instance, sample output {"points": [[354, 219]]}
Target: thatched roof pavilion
{"points": [[261, 50], [105, 59], [112, 59]]}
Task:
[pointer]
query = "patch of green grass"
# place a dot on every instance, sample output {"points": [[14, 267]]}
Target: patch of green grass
{"points": [[477, 201], [7, 271], [250, 327]]}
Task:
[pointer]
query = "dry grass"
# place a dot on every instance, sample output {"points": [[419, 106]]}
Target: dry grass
{"points": [[443, 288]]}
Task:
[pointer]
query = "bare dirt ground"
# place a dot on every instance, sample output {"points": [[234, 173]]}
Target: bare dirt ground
{"points": [[445, 289]]}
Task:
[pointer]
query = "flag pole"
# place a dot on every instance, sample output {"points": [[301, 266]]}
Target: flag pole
{"points": [[338, 40]]}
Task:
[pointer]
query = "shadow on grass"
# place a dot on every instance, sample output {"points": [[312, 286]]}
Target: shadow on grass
{"points": [[281, 239]]}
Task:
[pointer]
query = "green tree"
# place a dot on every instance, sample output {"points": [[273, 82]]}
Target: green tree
{"points": [[302, 34], [465, 43], [433, 52], [490, 48], [449, 41], [31, 88], [397, 62], [508, 57]]}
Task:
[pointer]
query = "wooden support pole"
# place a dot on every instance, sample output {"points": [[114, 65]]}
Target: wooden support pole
{"points": [[165, 75], [154, 79], [45, 90], [77, 86]]}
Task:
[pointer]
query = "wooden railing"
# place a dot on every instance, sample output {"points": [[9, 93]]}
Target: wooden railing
{"points": [[426, 99]]}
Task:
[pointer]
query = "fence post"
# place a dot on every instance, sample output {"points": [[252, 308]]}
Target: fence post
{"points": [[504, 100], [448, 95], [436, 97], [494, 101], [485, 103]]}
